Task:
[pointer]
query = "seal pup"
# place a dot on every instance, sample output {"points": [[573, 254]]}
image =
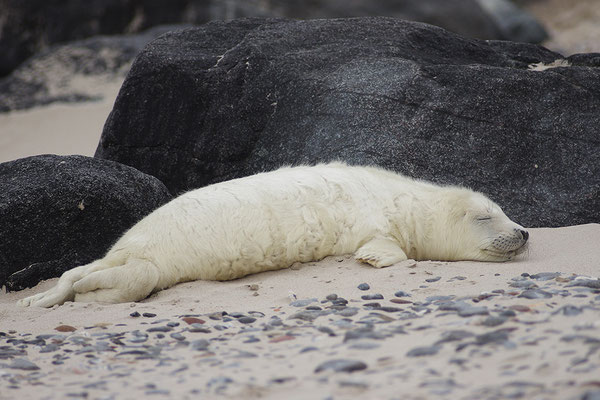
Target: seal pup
{"points": [[271, 220]]}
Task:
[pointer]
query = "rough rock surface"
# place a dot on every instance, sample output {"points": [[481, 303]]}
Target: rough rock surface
{"points": [[227, 100], [73, 72], [60, 212], [31, 25]]}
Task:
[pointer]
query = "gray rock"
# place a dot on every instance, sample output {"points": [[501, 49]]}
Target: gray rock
{"points": [[341, 365], [471, 311], [22, 364], [59, 212], [364, 286], [250, 95], [535, 294], [246, 320], [200, 344], [303, 303], [424, 351], [526, 284], [545, 276], [375, 296], [435, 279], [402, 293], [590, 283], [308, 315]]}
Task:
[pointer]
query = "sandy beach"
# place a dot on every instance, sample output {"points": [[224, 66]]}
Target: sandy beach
{"points": [[460, 330]]}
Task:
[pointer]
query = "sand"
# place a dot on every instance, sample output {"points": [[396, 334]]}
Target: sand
{"points": [[540, 351]]}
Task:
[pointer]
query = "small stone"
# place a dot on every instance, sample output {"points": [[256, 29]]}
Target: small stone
{"points": [[302, 303], [591, 283], [400, 301], [492, 321], [435, 279], [177, 336], [527, 284], [246, 320], [471, 311], [331, 297], [22, 364], [341, 365], [282, 338], [200, 344], [520, 308], [401, 293], [159, 329], [535, 294], [569, 310], [193, 320], [545, 276], [455, 335], [253, 287], [498, 336], [424, 351], [149, 315], [65, 328], [198, 328], [364, 286], [135, 314], [376, 296]]}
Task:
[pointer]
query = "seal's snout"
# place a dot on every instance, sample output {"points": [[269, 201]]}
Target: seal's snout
{"points": [[524, 234]]}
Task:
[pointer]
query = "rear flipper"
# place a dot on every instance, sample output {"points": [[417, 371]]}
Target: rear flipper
{"points": [[380, 252], [63, 291], [132, 281]]}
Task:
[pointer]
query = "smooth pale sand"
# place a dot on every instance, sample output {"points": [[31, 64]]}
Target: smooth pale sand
{"points": [[540, 357]]}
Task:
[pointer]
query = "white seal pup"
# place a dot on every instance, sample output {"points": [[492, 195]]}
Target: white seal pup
{"points": [[272, 220]]}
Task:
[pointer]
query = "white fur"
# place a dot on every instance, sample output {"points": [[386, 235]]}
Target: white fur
{"points": [[271, 220]]}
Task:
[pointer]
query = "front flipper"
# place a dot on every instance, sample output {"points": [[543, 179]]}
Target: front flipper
{"points": [[380, 252]]}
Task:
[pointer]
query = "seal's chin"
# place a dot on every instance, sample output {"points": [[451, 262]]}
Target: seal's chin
{"points": [[505, 255]]}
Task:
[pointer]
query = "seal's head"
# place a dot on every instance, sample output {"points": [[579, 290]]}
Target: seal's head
{"points": [[476, 228]]}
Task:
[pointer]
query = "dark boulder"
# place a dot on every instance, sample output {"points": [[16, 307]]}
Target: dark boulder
{"points": [[59, 212], [227, 100], [29, 26], [73, 72]]}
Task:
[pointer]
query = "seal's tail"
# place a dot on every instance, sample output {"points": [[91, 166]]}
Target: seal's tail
{"points": [[132, 281]]}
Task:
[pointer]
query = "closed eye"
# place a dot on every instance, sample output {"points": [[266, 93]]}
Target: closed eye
{"points": [[483, 218]]}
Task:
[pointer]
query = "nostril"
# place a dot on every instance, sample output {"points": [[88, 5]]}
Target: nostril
{"points": [[524, 234]]}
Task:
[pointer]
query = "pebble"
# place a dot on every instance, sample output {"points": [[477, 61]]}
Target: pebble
{"points": [[568, 310], [545, 276], [331, 297], [590, 283], [364, 286], [200, 344], [199, 328], [492, 321], [401, 293], [193, 320], [135, 314], [246, 320], [523, 284], [160, 329], [341, 365], [424, 351], [307, 315], [455, 335], [22, 364], [376, 296], [302, 303], [148, 315], [498, 336], [65, 328], [535, 294], [435, 279]]}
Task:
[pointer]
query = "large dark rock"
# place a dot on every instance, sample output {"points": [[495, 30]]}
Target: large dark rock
{"points": [[73, 72], [60, 212], [29, 26], [231, 99]]}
